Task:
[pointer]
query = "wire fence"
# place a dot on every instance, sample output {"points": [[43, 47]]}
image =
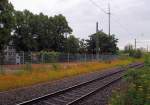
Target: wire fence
{"points": [[17, 60]]}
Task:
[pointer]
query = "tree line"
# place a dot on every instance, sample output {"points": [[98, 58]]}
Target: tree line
{"points": [[39, 32]]}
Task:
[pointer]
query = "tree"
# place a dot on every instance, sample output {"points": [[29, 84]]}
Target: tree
{"points": [[83, 46], [128, 48], [132, 52], [107, 44], [44, 32], [60, 27], [24, 35], [40, 32], [72, 44], [6, 23], [51, 31]]}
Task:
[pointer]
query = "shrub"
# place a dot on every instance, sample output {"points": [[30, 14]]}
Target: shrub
{"points": [[147, 60], [138, 90], [135, 53], [49, 57], [55, 66]]}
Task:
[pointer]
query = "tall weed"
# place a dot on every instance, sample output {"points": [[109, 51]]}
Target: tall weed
{"points": [[138, 90]]}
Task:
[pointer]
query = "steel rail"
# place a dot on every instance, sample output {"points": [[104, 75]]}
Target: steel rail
{"points": [[101, 88], [78, 85], [92, 92]]}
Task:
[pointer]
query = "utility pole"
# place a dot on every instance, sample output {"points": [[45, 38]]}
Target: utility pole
{"points": [[67, 49], [135, 44], [109, 16], [97, 42], [97, 27], [147, 49]]}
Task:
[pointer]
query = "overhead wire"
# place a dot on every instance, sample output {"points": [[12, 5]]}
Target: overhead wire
{"points": [[117, 21], [96, 5]]}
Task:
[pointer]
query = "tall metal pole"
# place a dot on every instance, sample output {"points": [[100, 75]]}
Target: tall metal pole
{"points": [[85, 56], [97, 42], [135, 44], [147, 49], [109, 14], [92, 55], [67, 50], [96, 27]]}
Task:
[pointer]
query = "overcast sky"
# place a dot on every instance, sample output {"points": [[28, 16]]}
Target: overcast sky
{"points": [[130, 18]]}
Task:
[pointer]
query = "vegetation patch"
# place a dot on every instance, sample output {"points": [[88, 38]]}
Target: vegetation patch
{"points": [[48, 72], [137, 91]]}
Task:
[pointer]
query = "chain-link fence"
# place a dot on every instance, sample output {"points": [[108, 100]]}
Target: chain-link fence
{"points": [[19, 60]]}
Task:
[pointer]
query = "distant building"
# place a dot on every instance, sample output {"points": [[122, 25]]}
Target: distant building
{"points": [[11, 55]]}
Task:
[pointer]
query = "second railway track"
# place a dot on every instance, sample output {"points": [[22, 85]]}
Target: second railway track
{"points": [[73, 94]]}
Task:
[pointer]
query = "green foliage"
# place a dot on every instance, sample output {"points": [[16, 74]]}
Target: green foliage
{"points": [[107, 44], [138, 90], [53, 31], [83, 46], [72, 44], [23, 37], [40, 32], [50, 57], [6, 22], [135, 53], [55, 66], [132, 53], [128, 48], [147, 60]]}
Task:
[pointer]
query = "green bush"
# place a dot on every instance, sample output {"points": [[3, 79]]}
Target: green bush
{"points": [[147, 60], [135, 53], [50, 57], [138, 90], [55, 66]]}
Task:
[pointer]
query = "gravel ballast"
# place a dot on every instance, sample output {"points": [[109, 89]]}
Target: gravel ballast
{"points": [[102, 97], [23, 94]]}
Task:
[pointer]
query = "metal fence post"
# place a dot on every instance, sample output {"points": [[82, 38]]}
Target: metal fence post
{"points": [[92, 57], [1, 63], [68, 57], [42, 58], [85, 57], [31, 58], [23, 61]]}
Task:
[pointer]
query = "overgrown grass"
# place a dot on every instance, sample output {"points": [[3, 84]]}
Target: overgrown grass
{"points": [[137, 91], [44, 73]]}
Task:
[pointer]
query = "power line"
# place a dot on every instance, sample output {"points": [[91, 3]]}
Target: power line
{"points": [[98, 6], [108, 13], [117, 21], [122, 26]]}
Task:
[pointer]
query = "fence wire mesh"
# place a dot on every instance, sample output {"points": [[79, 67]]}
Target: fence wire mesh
{"points": [[25, 60]]}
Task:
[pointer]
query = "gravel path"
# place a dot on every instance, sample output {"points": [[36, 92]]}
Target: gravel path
{"points": [[18, 95]]}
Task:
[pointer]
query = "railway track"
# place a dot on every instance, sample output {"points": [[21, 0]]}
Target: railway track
{"points": [[74, 94]]}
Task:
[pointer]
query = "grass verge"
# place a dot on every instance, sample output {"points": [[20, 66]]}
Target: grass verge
{"points": [[50, 72]]}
